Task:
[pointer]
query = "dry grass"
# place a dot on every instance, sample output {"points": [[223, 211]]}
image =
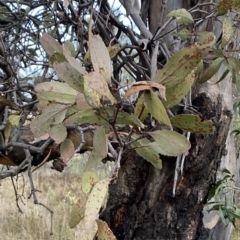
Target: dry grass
{"points": [[58, 191]]}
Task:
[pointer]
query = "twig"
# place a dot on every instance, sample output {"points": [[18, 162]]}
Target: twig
{"points": [[43, 162]]}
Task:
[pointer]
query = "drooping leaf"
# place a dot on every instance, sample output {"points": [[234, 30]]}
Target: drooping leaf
{"points": [[81, 102], [97, 83], [182, 16], [104, 232], [192, 123], [51, 115], [184, 61], [71, 48], [169, 143], [156, 108], [182, 33], [146, 151], [100, 57], [56, 57], [227, 31], [69, 75], [67, 150], [140, 110], [176, 94], [113, 50], [78, 210], [7, 102], [72, 61], [146, 85], [57, 92], [95, 202], [89, 179], [212, 70], [100, 148], [58, 133], [14, 119], [50, 45], [92, 97], [102, 115]]}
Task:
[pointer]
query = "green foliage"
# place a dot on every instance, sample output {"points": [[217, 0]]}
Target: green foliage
{"points": [[219, 199]]}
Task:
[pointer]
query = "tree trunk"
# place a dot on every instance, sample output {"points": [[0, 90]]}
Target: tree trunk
{"points": [[140, 203]]}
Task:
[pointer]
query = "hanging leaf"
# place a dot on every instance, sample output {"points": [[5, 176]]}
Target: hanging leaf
{"points": [[212, 70], [182, 16], [81, 102], [69, 75], [14, 119], [98, 84], [146, 85], [100, 57], [104, 232], [7, 102], [169, 143], [57, 92], [113, 50], [176, 94], [146, 151], [227, 31], [156, 108], [69, 45], [89, 179], [72, 61], [67, 150], [192, 123], [100, 148], [93, 98], [102, 115], [182, 33], [140, 110], [50, 45], [58, 133], [95, 202], [184, 61], [56, 57], [53, 114], [78, 210]]}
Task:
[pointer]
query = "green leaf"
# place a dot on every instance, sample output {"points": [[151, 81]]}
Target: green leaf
{"points": [[58, 133], [50, 45], [100, 57], [72, 61], [14, 119], [176, 94], [182, 33], [78, 210], [169, 143], [192, 123], [95, 202], [184, 61], [146, 151], [212, 70], [70, 75], [104, 232], [156, 108], [98, 84], [57, 92], [227, 31], [71, 48], [100, 148], [53, 114], [89, 179], [182, 16], [102, 115], [56, 57]]}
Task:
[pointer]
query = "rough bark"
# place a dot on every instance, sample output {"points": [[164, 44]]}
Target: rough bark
{"points": [[141, 204]]}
